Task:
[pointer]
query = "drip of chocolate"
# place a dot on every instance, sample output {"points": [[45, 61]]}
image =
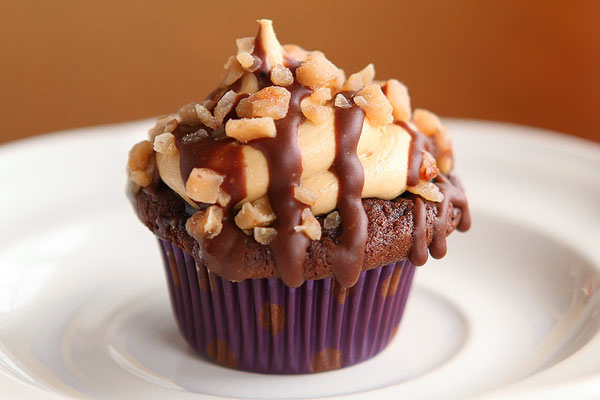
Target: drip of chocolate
{"points": [[285, 170], [348, 255], [453, 194], [418, 143]]}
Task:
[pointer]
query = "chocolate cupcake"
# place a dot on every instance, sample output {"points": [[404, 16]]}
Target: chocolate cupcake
{"points": [[291, 207]]}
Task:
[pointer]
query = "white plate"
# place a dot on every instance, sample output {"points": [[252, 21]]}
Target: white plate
{"points": [[513, 311]]}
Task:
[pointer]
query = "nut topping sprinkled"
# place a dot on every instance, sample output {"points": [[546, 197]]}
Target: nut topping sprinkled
{"points": [[398, 96], [224, 105], [140, 162], [303, 195], [313, 107], [205, 224], [341, 101], [257, 213], [249, 83], [332, 221], [272, 101], [281, 76], [163, 124], [233, 71], [165, 144], [206, 117], [194, 136], [245, 47], [264, 235], [310, 226], [203, 185], [247, 129], [429, 169], [427, 122], [430, 124], [360, 79], [317, 71], [427, 190], [374, 103], [187, 114]]}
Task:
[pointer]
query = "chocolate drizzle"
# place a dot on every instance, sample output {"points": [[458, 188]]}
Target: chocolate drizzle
{"points": [[418, 143], [453, 195], [285, 170], [348, 255]]}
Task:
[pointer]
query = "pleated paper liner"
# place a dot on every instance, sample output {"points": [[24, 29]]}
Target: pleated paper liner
{"points": [[261, 325]]}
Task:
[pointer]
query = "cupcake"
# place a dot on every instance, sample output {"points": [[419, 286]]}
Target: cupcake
{"points": [[291, 207]]}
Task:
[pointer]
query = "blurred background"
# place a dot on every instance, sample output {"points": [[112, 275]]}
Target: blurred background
{"points": [[66, 64]]}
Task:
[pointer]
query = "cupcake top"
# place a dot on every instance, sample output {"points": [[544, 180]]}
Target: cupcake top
{"points": [[288, 148]]}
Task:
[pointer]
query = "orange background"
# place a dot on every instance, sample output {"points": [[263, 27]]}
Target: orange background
{"points": [[72, 63]]}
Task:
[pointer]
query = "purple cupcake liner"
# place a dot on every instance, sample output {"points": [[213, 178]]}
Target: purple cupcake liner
{"points": [[261, 325]]}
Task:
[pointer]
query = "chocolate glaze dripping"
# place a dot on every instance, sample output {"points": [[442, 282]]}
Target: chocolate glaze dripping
{"points": [[453, 194], [418, 249], [224, 253], [418, 143], [285, 170], [348, 255]]}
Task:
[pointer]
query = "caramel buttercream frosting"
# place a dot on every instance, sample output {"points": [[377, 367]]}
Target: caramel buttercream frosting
{"points": [[288, 146]]}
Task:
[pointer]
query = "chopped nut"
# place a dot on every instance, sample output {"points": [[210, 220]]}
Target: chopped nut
{"points": [[310, 226], [194, 136], [223, 198], [398, 96], [205, 224], [315, 113], [264, 235], [427, 190], [206, 117], [270, 44], [272, 101], [249, 83], [247, 129], [187, 115], [281, 76], [445, 162], [163, 124], [295, 52], [245, 47], [165, 144], [139, 155], [341, 101], [203, 185], [303, 195], [254, 214], [317, 71], [321, 95], [360, 79], [430, 125], [246, 60], [233, 71], [340, 78], [313, 106], [332, 221], [429, 169], [224, 106], [374, 103], [244, 108], [427, 122], [140, 163]]}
